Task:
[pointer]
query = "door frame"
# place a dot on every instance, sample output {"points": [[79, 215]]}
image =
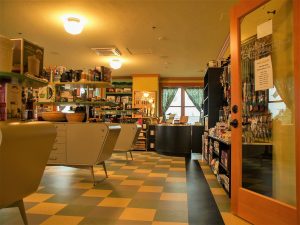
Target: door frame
{"points": [[256, 208]]}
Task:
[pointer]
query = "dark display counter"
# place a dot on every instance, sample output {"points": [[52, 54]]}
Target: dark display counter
{"points": [[173, 139]]}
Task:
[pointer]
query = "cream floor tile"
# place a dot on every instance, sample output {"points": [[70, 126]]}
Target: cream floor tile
{"points": [[151, 189], [117, 177], [231, 219], [162, 166], [154, 157], [142, 171], [129, 167], [158, 175], [178, 162], [83, 185], [176, 180], [149, 163], [115, 202], [117, 164], [182, 197], [205, 167], [218, 191], [168, 223], [165, 160], [63, 220], [97, 193], [38, 197], [210, 177], [132, 182], [177, 169], [46, 208], [138, 214]]}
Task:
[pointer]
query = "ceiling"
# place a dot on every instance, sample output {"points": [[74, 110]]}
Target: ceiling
{"points": [[182, 35]]}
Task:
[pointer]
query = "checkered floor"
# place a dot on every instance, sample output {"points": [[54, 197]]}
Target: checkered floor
{"points": [[151, 189]]}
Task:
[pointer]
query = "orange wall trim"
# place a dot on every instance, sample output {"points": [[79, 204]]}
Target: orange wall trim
{"points": [[198, 84], [297, 96], [145, 75]]}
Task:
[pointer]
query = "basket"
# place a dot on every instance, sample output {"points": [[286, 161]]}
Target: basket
{"points": [[54, 116], [75, 117]]}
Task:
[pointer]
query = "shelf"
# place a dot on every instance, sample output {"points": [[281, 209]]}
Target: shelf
{"points": [[79, 103], [26, 79], [216, 153], [224, 167], [83, 84], [118, 93], [219, 139]]}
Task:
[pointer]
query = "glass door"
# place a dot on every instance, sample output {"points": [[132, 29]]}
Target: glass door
{"points": [[265, 107]]}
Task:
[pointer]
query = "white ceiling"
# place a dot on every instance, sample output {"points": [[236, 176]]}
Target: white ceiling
{"points": [[192, 32]]}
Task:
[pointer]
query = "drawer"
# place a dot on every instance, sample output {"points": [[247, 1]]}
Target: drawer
{"points": [[60, 133], [57, 157], [59, 148], [60, 126], [60, 140]]}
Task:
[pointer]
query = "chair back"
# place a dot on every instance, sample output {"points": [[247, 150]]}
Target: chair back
{"points": [[24, 151], [129, 132], [109, 143]]}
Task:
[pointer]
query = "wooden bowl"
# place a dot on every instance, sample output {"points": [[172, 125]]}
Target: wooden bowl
{"points": [[75, 117], [54, 116]]}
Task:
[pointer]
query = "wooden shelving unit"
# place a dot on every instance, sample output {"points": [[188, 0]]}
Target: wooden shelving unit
{"points": [[141, 143], [212, 96], [25, 80], [84, 84], [219, 152]]}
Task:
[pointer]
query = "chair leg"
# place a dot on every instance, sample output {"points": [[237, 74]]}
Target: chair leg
{"points": [[21, 207], [93, 175], [131, 154], [126, 156], [104, 167]]}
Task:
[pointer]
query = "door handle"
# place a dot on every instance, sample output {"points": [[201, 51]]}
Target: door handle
{"points": [[234, 123]]}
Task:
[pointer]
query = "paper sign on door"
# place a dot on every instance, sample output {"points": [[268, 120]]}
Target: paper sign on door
{"points": [[263, 73]]}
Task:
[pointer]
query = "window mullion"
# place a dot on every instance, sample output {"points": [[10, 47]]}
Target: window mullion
{"points": [[182, 102]]}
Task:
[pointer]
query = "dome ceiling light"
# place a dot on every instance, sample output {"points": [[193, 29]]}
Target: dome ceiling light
{"points": [[115, 64], [73, 25]]}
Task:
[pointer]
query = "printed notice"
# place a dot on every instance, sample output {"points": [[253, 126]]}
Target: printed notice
{"points": [[263, 73]]}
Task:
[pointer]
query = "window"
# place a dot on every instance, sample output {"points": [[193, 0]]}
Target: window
{"points": [[276, 104], [182, 104]]}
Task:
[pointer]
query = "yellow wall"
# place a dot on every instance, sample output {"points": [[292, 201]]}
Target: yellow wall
{"points": [[147, 82]]}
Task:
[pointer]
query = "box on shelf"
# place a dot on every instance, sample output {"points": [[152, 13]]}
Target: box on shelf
{"points": [[6, 53], [27, 57], [119, 90], [127, 90], [46, 94]]}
